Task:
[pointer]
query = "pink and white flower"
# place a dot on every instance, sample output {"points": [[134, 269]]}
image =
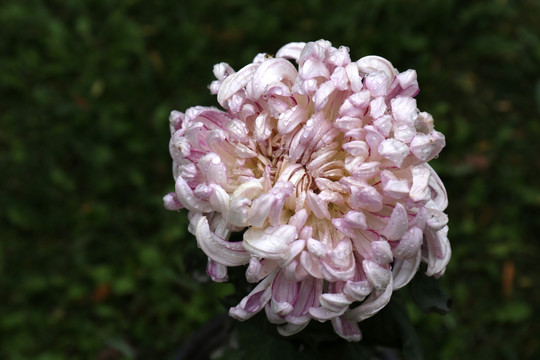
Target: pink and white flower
{"points": [[324, 166]]}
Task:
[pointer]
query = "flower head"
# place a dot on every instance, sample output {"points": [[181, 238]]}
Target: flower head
{"points": [[324, 166]]}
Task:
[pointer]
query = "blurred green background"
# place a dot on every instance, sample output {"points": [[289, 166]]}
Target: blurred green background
{"points": [[92, 266]]}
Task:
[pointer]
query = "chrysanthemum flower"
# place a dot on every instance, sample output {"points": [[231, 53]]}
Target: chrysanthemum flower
{"points": [[325, 168]]}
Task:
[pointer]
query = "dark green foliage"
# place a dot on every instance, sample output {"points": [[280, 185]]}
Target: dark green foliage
{"points": [[92, 266], [428, 295]]}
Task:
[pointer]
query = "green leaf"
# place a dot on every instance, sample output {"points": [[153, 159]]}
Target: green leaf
{"points": [[392, 327], [428, 295]]}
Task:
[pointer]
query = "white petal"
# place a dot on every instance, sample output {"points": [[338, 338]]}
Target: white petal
{"points": [[317, 205], [404, 109], [188, 198], [291, 50], [219, 250], [404, 132], [440, 199], [235, 82], [384, 125], [356, 148], [316, 248], [409, 245], [323, 94], [381, 252], [439, 252], [366, 197], [348, 330], [311, 264], [393, 150], [397, 225], [372, 63], [357, 290], [426, 147], [323, 314], [404, 270], [171, 202], [334, 302], [420, 180], [291, 118], [377, 275], [374, 303], [271, 71], [255, 301], [216, 271], [270, 243], [354, 78], [219, 199], [291, 329], [377, 107]]}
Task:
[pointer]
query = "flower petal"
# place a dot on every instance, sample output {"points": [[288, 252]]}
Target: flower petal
{"points": [[219, 250], [270, 243], [348, 330]]}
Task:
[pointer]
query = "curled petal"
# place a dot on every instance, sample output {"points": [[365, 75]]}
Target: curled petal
{"points": [[291, 329], [308, 295], [440, 199], [397, 225], [348, 330], [299, 219], [255, 301], [373, 63], [284, 294], [408, 83], [354, 77], [374, 303], [339, 78], [258, 270], [323, 94], [357, 148], [333, 273], [404, 109], [437, 220], [188, 199], [171, 202], [378, 83], [291, 50], [366, 197], [222, 70], [311, 264], [420, 180], [216, 271], [219, 199], [405, 269], [426, 147], [393, 150], [381, 252], [317, 205], [235, 82], [377, 275], [270, 205], [221, 251], [335, 302], [409, 244], [313, 50], [270, 243], [438, 252], [324, 314], [291, 118], [271, 71], [357, 290]]}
